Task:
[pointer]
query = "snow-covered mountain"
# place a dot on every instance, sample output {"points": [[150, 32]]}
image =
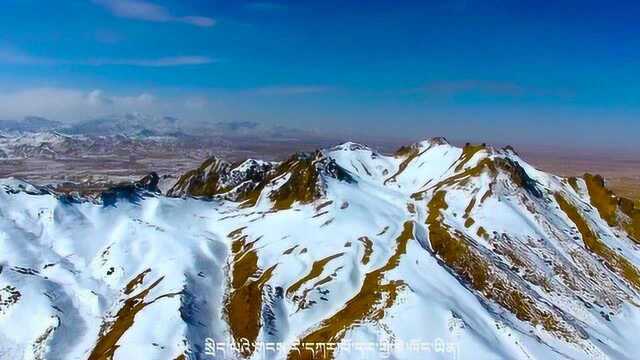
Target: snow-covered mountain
{"points": [[141, 125], [130, 124], [30, 124], [136, 134], [56, 145], [346, 253]]}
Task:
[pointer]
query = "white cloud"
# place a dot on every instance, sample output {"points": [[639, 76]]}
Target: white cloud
{"points": [[201, 21], [15, 57], [292, 90], [452, 88], [97, 98], [70, 104], [196, 103], [147, 11], [265, 6], [455, 87], [75, 104], [143, 100], [159, 62]]}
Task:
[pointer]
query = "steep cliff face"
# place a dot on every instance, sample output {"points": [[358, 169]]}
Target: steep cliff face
{"points": [[216, 177], [468, 246], [616, 211], [300, 178]]}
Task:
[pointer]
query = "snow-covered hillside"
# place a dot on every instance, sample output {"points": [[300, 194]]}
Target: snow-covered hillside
{"points": [[55, 145], [345, 253]]}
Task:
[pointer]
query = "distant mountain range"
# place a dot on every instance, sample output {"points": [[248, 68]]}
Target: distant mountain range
{"points": [[29, 124], [144, 125], [132, 134], [130, 124], [56, 145]]}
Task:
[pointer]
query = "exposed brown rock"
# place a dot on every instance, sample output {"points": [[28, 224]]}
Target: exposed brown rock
{"points": [[612, 260], [474, 269], [368, 305], [243, 301], [368, 249], [616, 211], [113, 329]]}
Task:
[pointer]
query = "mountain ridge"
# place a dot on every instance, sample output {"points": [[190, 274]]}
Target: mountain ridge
{"points": [[469, 245]]}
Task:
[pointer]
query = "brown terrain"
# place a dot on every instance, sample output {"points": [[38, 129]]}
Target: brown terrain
{"points": [[621, 171]]}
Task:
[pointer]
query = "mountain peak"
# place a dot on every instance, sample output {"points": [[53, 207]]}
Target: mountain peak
{"points": [[350, 146], [438, 140]]}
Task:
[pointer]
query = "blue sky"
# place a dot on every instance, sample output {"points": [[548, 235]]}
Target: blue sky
{"points": [[557, 73]]}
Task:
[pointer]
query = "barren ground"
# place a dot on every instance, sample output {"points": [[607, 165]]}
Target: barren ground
{"points": [[622, 172]]}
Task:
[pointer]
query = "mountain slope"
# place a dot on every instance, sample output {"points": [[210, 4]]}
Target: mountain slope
{"points": [[466, 252]]}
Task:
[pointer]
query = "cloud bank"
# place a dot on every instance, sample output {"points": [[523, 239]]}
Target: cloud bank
{"points": [[74, 104], [159, 62], [14, 57], [147, 11], [292, 90], [70, 104]]}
